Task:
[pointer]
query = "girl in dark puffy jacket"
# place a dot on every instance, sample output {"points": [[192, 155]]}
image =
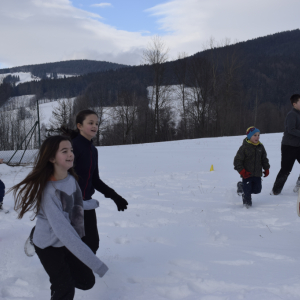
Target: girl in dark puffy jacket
{"points": [[249, 161]]}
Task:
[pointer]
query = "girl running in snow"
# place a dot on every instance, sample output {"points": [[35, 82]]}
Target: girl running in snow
{"points": [[52, 192], [86, 167]]}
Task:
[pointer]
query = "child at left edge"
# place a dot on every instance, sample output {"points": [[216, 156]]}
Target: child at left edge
{"points": [[249, 161], [2, 189]]}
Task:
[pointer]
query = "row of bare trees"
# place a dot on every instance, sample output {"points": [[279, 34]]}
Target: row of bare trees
{"points": [[206, 101], [17, 129], [207, 89]]}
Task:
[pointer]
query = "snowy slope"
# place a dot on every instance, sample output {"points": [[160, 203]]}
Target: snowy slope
{"points": [[109, 116], [46, 110], [14, 103], [27, 76], [24, 77], [185, 234]]}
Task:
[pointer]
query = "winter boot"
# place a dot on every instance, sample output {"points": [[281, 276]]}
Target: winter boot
{"points": [[279, 183], [240, 190], [246, 202], [1, 205], [297, 186], [29, 247]]}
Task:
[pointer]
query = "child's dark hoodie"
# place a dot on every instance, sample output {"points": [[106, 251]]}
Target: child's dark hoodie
{"points": [[86, 167]]}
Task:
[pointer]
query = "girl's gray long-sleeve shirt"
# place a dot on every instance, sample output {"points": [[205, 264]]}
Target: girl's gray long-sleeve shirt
{"points": [[60, 221]]}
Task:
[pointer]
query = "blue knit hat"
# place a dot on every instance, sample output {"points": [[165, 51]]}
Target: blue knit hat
{"points": [[251, 131]]}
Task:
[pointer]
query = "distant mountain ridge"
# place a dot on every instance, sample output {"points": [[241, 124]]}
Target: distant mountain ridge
{"points": [[268, 70], [70, 67]]}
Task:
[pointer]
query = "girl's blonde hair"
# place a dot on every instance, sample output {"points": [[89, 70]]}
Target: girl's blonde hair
{"points": [[28, 193]]}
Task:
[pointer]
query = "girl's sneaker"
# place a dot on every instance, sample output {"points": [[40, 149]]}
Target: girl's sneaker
{"points": [[29, 247], [297, 186], [3, 209]]}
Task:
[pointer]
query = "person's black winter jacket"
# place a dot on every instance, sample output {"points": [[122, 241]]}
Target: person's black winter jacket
{"points": [[86, 167]]}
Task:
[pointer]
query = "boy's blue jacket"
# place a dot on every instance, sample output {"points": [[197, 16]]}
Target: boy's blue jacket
{"points": [[251, 158], [86, 167]]}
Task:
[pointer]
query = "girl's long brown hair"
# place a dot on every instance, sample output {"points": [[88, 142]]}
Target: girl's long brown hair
{"points": [[28, 193]]}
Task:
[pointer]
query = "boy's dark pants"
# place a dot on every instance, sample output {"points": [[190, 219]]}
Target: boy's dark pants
{"points": [[2, 190], [66, 272], [251, 185], [288, 156]]}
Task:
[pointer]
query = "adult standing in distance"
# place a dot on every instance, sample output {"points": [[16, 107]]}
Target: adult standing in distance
{"points": [[290, 146]]}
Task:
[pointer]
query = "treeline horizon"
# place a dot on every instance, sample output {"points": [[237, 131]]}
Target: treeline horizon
{"points": [[233, 87]]}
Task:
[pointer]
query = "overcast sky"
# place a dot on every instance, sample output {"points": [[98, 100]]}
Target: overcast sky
{"points": [[39, 31]]}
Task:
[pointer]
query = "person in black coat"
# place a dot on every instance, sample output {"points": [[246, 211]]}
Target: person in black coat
{"points": [[86, 167], [290, 145]]}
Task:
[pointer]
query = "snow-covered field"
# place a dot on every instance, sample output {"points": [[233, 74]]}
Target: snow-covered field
{"points": [[185, 234]]}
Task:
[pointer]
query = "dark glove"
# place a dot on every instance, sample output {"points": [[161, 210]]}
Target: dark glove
{"points": [[121, 203], [266, 173], [245, 174]]}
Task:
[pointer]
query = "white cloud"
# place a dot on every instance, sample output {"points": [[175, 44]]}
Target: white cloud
{"points": [[39, 31], [190, 23], [102, 4]]}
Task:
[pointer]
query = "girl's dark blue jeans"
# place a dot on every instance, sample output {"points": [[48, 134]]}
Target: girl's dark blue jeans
{"points": [[251, 185], [2, 190]]}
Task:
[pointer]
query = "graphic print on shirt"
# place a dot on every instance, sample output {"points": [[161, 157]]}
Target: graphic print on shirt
{"points": [[73, 205]]}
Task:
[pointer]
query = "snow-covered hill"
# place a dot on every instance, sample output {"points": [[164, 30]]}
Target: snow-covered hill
{"points": [[46, 110], [27, 76], [24, 77], [185, 234]]}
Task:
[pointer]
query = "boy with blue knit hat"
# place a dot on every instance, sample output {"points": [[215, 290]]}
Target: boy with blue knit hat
{"points": [[249, 161]]}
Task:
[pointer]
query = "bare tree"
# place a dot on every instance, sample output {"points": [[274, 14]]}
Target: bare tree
{"points": [[229, 91], [200, 98], [62, 114], [156, 55], [227, 104], [125, 112], [180, 69]]}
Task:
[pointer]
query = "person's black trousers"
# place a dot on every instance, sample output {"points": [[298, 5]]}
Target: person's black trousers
{"points": [[289, 155], [2, 190], [91, 237], [251, 185], [66, 272]]}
